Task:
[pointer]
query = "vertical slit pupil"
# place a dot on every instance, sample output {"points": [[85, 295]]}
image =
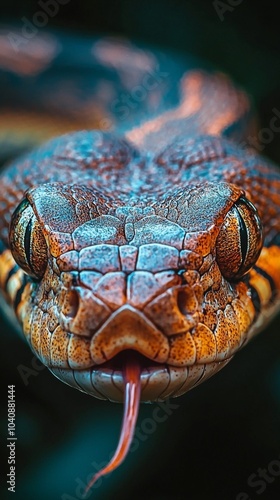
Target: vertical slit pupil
{"points": [[27, 240], [243, 236]]}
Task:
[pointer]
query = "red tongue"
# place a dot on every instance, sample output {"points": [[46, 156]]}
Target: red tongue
{"points": [[132, 374]]}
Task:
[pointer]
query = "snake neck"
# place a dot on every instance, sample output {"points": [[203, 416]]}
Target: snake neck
{"points": [[151, 97]]}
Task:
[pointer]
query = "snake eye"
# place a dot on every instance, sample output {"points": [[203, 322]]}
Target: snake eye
{"points": [[240, 240], [27, 241]]}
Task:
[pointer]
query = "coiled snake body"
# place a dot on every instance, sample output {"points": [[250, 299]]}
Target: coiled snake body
{"points": [[154, 240]]}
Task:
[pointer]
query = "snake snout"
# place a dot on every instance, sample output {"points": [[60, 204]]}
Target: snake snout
{"points": [[129, 328]]}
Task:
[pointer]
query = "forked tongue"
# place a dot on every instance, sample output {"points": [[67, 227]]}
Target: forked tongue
{"points": [[132, 373]]}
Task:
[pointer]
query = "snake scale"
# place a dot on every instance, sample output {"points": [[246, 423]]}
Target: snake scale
{"points": [[140, 249]]}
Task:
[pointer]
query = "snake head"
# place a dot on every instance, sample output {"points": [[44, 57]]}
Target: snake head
{"points": [[161, 279]]}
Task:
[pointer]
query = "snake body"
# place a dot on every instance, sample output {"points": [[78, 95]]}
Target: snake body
{"points": [[152, 230]]}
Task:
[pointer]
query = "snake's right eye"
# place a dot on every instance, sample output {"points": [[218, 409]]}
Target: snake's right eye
{"points": [[240, 240], [27, 242]]}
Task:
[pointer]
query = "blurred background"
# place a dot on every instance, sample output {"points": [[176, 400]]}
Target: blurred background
{"points": [[217, 440]]}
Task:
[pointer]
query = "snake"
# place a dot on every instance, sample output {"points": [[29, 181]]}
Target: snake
{"points": [[139, 233]]}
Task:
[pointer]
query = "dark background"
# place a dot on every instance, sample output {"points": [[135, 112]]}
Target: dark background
{"points": [[225, 430]]}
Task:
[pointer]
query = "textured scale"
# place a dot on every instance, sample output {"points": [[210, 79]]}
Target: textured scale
{"points": [[160, 235]]}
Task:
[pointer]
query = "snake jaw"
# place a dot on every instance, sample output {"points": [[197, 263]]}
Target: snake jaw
{"points": [[158, 382]]}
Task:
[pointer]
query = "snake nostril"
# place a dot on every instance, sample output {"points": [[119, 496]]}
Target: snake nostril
{"points": [[71, 304], [187, 302]]}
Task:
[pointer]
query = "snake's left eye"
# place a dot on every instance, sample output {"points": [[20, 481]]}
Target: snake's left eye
{"points": [[27, 241], [240, 240]]}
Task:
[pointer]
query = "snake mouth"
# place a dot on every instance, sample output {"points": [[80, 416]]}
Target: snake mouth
{"points": [[116, 363]]}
